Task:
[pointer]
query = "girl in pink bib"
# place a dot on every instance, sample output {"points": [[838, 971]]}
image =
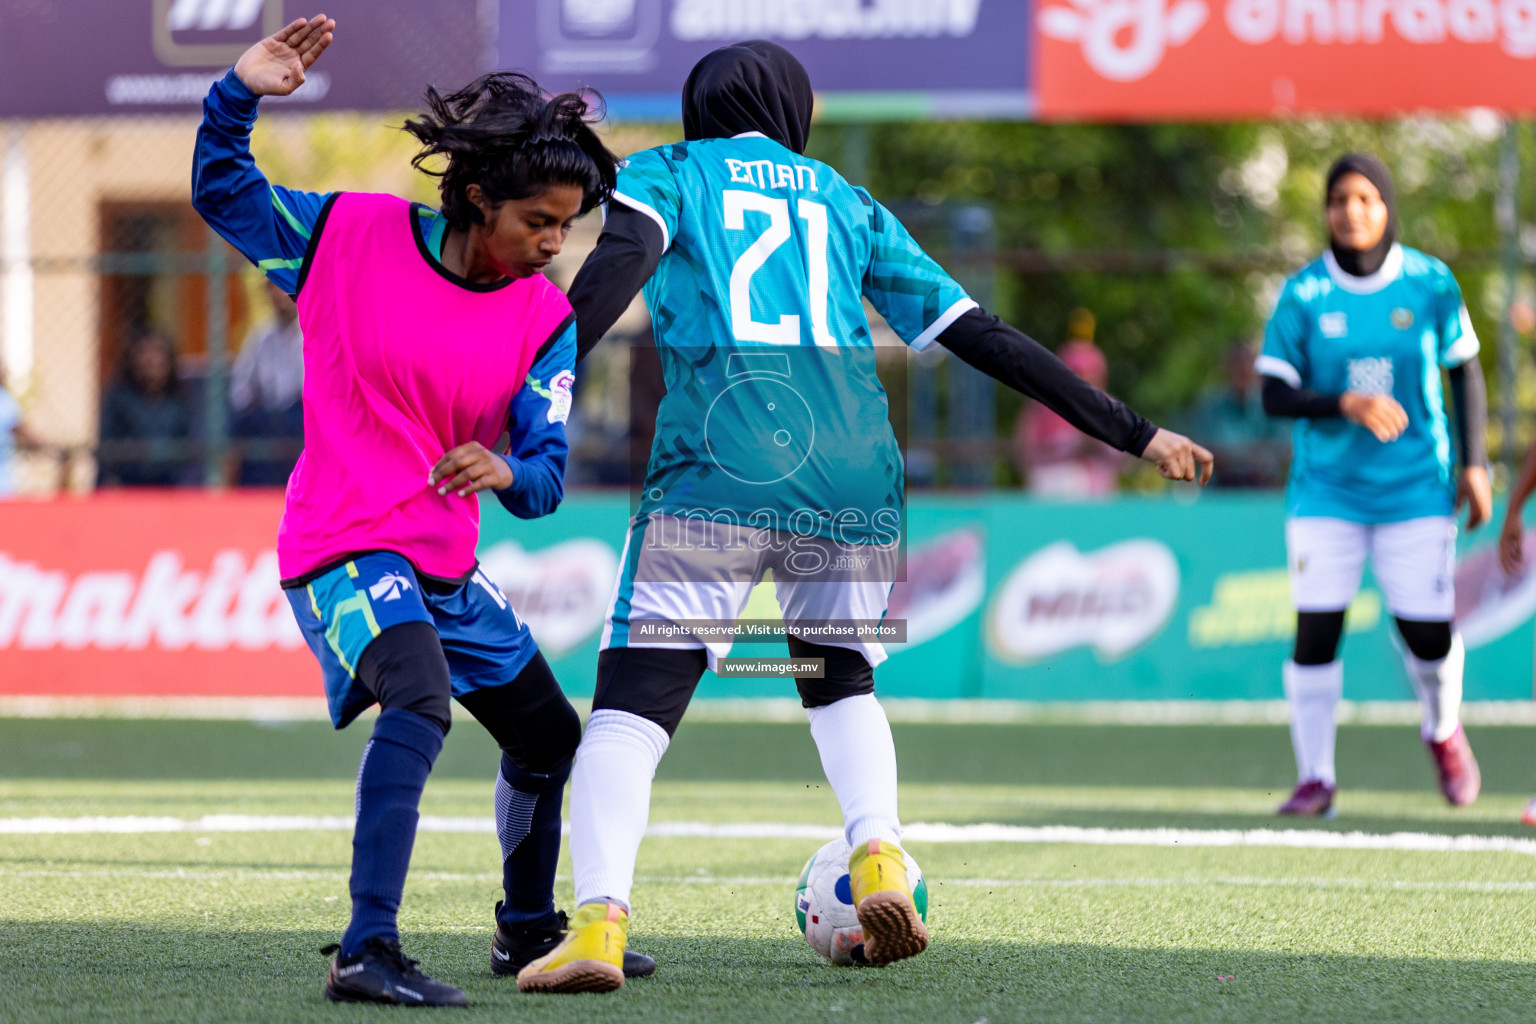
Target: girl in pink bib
{"points": [[437, 363]]}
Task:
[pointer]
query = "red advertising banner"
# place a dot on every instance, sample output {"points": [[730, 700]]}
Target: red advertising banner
{"points": [[148, 593], [1195, 59]]}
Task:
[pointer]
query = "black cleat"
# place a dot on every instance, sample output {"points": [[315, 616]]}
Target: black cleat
{"points": [[511, 951], [382, 974]]}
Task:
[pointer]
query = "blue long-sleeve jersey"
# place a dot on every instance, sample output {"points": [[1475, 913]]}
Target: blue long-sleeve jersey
{"points": [[272, 226]]}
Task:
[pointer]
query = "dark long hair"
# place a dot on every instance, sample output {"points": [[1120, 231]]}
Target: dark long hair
{"points": [[501, 133]]}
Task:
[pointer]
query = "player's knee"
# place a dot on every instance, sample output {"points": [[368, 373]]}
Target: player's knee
{"points": [[1317, 637], [529, 718], [845, 673], [654, 684], [404, 668], [549, 741], [1427, 641]]}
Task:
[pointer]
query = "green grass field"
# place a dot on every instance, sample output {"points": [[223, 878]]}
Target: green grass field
{"points": [[226, 926]]}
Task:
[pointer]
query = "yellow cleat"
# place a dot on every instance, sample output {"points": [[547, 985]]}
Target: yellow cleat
{"points": [[882, 897], [589, 959]]}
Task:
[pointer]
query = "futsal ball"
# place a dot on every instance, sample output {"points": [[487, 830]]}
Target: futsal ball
{"points": [[824, 904]]}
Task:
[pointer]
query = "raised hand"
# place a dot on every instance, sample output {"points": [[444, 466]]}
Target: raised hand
{"points": [[1380, 414], [1179, 458], [470, 468], [276, 65]]}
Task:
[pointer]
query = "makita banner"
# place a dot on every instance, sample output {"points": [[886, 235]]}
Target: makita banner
{"points": [[1198, 59], [177, 593], [137, 56]]}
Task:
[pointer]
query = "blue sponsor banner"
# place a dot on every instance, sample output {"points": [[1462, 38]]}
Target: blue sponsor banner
{"points": [[159, 56], [868, 59]]}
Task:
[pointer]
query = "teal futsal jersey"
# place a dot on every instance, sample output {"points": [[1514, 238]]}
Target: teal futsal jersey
{"points": [[1389, 333], [774, 415]]}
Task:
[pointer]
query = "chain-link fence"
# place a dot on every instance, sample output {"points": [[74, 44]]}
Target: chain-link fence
{"points": [[142, 350]]}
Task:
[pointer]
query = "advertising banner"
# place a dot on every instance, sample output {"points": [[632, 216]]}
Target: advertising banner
{"points": [[1005, 598], [158, 56], [1198, 59], [866, 58]]}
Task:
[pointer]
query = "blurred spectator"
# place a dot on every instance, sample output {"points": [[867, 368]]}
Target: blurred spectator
{"points": [[1054, 457], [265, 385], [13, 435], [1252, 449], [145, 423]]}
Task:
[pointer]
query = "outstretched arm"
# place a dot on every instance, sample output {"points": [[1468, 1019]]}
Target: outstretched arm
{"points": [[625, 258], [923, 304], [270, 225], [1019, 361], [1009, 355]]}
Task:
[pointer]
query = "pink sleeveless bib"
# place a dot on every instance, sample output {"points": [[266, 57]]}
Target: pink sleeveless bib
{"points": [[401, 364]]}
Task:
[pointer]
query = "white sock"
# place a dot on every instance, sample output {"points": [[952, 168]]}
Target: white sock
{"points": [[859, 759], [611, 802], [1438, 684], [1313, 692]]}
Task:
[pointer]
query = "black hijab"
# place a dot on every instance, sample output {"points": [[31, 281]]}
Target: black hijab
{"points": [[1364, 262], [756, 86]]}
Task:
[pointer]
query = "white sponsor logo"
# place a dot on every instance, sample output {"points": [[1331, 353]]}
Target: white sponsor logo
{"points": [[234, 603], [561, 592], [598, 15], [1510, 23], [192, 88], [1113, 600], [834, 19], [946, 581], [1371, 376], [1489, 604], [213, 14], [347, 972], [389, 587], [1124, 40], [560, 396], [1333, 325], [178, 28]]}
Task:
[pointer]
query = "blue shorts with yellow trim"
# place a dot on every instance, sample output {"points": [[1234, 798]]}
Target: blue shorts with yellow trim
{"points": [[342, 611]]}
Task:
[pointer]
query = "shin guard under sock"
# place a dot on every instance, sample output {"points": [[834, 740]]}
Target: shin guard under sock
{"points": [[859, 759], [1438, 685], [528, 826], [390, 779], [611, 802], [1313, 692]]}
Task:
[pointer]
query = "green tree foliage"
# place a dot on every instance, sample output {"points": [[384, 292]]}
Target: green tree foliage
{"points": [[1177, 237]]}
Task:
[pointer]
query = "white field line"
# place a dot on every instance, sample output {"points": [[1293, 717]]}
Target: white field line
{"points": [[990, 884], [978, 712], [917, 833]]}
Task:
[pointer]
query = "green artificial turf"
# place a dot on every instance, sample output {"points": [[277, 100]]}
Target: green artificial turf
{"points": [[226, 926]]}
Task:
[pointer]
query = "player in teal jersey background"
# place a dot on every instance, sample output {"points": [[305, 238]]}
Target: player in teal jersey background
{"points": [[774, 453], [1355, 352]]}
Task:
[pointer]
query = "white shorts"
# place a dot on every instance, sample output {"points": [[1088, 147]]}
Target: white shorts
{"points": [[682, 573], [1414, 561]]}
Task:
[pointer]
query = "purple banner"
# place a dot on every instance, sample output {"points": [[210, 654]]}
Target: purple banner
{"points": [[865, 57], [154, 56]]}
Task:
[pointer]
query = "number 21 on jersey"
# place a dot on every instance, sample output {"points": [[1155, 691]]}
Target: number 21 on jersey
{"points": [[786, 331]]}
